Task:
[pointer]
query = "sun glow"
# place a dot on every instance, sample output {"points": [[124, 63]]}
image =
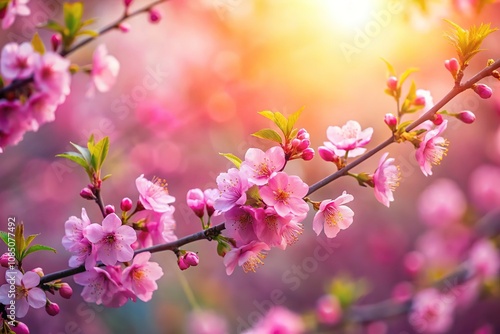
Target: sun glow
{"points": [[347, 13]]}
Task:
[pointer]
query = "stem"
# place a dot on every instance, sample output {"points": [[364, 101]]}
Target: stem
{"points": [[100, 202]]}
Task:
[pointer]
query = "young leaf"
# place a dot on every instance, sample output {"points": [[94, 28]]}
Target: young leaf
{"points": [[405, 76], [390, 68], [54, 26], [88, 32], [83, 151], [73, 16], [30, 239], [281, 122], [36, 248], [37, 44], [292, 120], [75, 157], [234, 159], [269, 134], [5, 237], [268, 114], [99, 152]]}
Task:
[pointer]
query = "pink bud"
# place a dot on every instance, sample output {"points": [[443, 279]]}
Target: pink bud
{"points": [[182, 263], [65, 291], [39, 271], [328, 310], [402, 292], [20, 328], [483, 91], [124, 26], [302, 134], [191, 259], [196, 201], [391, 120], [87, 194], [210, 195], [307, 154], [4, 260], [127, 2], [419, 101], [295, 142], [413, 262], [304, 143], [109, 209], [452, 66], [55, 40], [437, 119], [52, 308], [126, 204], [392, 83], [154, 15], [466, 116], [326, 154]]}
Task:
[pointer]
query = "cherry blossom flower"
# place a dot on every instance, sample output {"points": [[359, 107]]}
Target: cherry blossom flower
{"points": [[210, 196], [26, 292], [260, 166], [328, 309], [385, 180], [484, 259], [432, 149], [279, 320], [248, 256], [196, 201], [140, 277], [291, 231], [269, 226], [424, 98], [232, 187], [431, 312], [240, 222], [483, 185], [17, 61], [154, 194], [206, 322], [333, 216], [74, 227], [157, 227], [15, 7], [350, 138], [104, 71], [285, 194], [52, 76], [41, 107], [112, 240]]}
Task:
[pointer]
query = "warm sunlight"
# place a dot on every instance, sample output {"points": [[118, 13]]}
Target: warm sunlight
{"points": [[348, 14]]}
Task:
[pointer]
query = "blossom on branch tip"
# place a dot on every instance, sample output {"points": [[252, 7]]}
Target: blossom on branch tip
{"points": [[141, 276], [26, 292], [385, 180], [157, 228], [333, 216], [248, 256], [350, 138], [154, 194], [105, 69], [260, 166], [17, 61], [432, 149], [15, 7], [232, 189], [285, 193], [52, 309]]}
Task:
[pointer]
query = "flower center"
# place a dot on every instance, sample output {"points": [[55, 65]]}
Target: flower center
{"points": [[436, 151], [138, 275], [281, 195], [333, 216], [110, 239], [253, 262], [263, 169]]}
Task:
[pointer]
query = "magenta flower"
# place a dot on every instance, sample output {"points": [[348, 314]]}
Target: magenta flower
{"points": [[269, 225], [248, 256], [431, 312], [279, 320], [484, 259], [432, 149], [232, 187], [291, 231], [26, 292], [17, 61], [240, 222], [333, 216], [14, 7], [350, 138], [104, 70], [52, 76], [154, 194], [385, 180], [112, 240], [158, 227], [285, 194], [140, 277], [259, 167]]}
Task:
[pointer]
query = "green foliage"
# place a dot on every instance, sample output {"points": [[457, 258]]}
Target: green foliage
{"points": [[286, 125], [37, 44], [269, 134], [401, 80], [347, 290], [22, 245], [234, 159]]}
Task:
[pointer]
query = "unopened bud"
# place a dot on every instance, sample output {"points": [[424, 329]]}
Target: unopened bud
{"points": [[154, 15], [196, 201], [124, 27], [437, 119], [304, 143], [127, 2], [87, 194], [109, 209], [466, 116], [328, 310], [182, 263], [452, 66], [56, 41], [38, 270], [326, 154], [20, 328], [191, 259], [126, 204], [307, 154], [52, 308], [302, 134], [392, 83], [483, 91], [65, 291], [4, 260], [391, 121]]}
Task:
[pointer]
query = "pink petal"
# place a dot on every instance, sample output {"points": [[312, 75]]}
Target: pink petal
{"points": [[111, 223], [36, 298], [30, 280], [318, 222], [142, 258], [94, 233]]}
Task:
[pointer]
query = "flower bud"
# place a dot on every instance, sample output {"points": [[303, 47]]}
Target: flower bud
{"points": [[109, 209], [391, 121], [392, 83], [124, 26], [402, 292], [483, 91], [466, 116], [154, 15], [307, 154], [20, 328], [4, 260], [326, 154], [55, 40], [223, 248], [127, 2], [413, 262], [52, 308], [87, 194], [295, 142], [65, 291], [196, 201], [126, 204], [39, 271], [437, 119], [191, 259], [210, 196], [302, 134], [182, 263], [328, 310], [419, 101], [452, 66]]}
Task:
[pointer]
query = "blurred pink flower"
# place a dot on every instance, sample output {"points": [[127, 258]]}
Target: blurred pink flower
{"points": [[26, 292], [348, 138], [41, 107], [112, 240], [333, 216], [483, 185], [385, 179], [424, 98], [442, 203], [15, 7], [140, 277], [17, 61], [328, 310], [14, 122], [278, 320], [232, 187], [206, 322], [52, 76], [432, 149], [154, 194], [240, 222], [285, 194], [260, 166], [431, 312], [248, 256], [484, 259], [104, 70]]}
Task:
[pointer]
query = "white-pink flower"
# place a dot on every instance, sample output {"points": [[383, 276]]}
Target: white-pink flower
{"points": [[74, 227], [206, 322], [41, 107], [232, 190], [484, 259], [17, 61], [26, 292], [249, 256], [52, 76], [432, 149], [350, 138], [385, 180], [240, 224], [104, 70], [154, 194], [14, 7], [333, 216], [285, 193], [260, 166], [424, 98], [140, 277], [431, 312], [112, 240]]}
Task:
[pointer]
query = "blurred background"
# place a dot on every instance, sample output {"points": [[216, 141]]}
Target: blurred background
{"points": [[190, 87]]}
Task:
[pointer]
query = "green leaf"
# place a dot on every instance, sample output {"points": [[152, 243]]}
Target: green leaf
{"points": [[75, 157], [292, 119], [36, 248], [390, 68], [83, 151], [37, 44], [98, 153], [5, 237], [268, 114], [91, 33], [234, 159], [73, 16], [281, 122], [31, 238], [54, 26], [405, 76], [88, 22], [106, 177], [269, 134]]}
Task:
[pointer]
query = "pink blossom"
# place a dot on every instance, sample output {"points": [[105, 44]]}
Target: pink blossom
{"points": [[140, 277], [269, 226], [74, 227], [333, 216], [350, 138], [328, 309], [431, 312], [85, 252], [17, 61], [424, 98], [14, 7], [104, 70], [285, 194], [41, 107], [385, 180], [260, 166], [210, 196], [444, 248], [26, 292], [154, 194], [52, 76], [432, 149], [158, 228], [483, 185], [442, 203], [196, 201], [232, 187], [240, 222], [291, 231], [484, 259], [206, 322], [279, 320], [112, 240], [248, 256]]}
